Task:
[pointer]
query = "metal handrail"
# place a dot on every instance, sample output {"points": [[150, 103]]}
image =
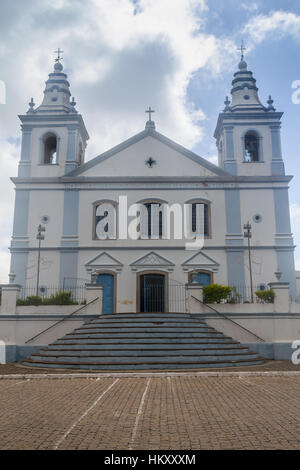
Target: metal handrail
{"points": [[63, 319], [229, 319]]}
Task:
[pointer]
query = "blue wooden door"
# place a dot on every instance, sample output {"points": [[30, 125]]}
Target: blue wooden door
{"points": [[108, 282], [203, 278]]}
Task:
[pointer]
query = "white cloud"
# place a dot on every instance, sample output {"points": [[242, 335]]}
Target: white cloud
{"points": [[277, 22], [251, 7], [8, 165], [121, 56]]}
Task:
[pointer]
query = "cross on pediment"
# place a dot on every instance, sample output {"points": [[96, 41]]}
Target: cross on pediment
{"points": [[149, 111]]}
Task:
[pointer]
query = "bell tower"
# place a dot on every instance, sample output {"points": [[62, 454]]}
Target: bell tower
{"points": [[247, 132], [54, 136]]}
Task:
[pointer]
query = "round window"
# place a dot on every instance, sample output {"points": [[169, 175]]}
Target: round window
{"points": [[257, 218]]}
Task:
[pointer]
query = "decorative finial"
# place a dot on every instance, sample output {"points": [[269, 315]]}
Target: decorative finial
{"points": [[73, 104], [149, 111], [150, 123], [227, 103], [241, 49], [58, 66], [58, 52], [31, 106], [270, 104], [242, 64]]}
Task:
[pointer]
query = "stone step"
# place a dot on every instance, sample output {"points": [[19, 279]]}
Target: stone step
{"points": [[142, 314], [138, 321], [142, 327], [141, 342], [145, 366], [140, 347], [146, 340], [144, 331], [139, 353], [138, 359]]}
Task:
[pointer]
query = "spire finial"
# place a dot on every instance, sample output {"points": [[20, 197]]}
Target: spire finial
{"points": [[58, 52], [242, 64], [270, 104], [149, 111], [241, 49], [150, 123], [31, 107], [227, 103]]}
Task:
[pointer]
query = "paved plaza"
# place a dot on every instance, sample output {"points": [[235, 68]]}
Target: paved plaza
{"points": [[176, 411]]}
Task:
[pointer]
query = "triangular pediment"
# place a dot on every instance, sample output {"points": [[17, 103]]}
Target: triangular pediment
{"points": [[152, 259], [200, 259], [104, 260], [148, 154]]}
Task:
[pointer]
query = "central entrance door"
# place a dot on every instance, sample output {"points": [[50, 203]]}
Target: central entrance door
{"points": [[152, 293], [108, 282]]}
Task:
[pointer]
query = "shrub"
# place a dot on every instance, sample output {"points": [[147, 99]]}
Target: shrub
{"points": [[266, 296], [61, 298], [31, 300], [216, 293]]}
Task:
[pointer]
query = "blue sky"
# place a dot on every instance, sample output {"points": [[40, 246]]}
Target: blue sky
{"points": [[121, 56]]}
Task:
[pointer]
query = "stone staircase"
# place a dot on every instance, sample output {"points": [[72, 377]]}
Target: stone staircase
{"points": [[144, 341]]}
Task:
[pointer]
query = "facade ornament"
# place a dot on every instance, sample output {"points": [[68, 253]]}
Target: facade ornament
{"points": [[31, 105]]}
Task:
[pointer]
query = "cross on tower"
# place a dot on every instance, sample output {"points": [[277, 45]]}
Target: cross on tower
{"points": [[58, 52], [242, 49], [149, 111]]}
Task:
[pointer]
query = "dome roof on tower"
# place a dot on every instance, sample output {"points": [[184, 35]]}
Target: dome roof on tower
{"points": [[57, 93]]}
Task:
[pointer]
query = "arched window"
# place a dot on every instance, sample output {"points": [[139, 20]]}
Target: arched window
{"points": [[105, 217], [151, 219], [200, 218], [201, 276], [251, 147], [49, 149]]}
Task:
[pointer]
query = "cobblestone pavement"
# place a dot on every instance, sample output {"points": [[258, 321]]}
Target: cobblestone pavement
{"points": [[177, 413]]}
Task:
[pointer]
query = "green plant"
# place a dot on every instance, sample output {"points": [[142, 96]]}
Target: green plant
{"points": [[266, 296], [30, 300], [216, 293], [61, 298], [235, 297]]}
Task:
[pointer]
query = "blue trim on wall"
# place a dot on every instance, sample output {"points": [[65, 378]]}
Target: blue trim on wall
{"points": [[275, 138], [25, 149], [235, 267], [235, 257], [24, 165], [70, 215], [230, 166], [286, 265], [68, 268], [277, 168], [282, 210], [233, 211], [229, 147], [18, 266], [20, 226]]}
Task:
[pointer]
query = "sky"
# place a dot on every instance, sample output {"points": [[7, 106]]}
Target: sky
{"points": [[121, 56]]}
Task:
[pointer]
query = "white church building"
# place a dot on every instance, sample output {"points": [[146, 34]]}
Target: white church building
{"points": [[107, 219]]}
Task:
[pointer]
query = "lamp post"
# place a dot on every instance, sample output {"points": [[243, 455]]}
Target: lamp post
{"points": [[39, 237], [248, 235]]}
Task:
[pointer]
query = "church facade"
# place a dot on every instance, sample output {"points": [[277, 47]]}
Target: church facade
{"points": [[148, 213]]}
